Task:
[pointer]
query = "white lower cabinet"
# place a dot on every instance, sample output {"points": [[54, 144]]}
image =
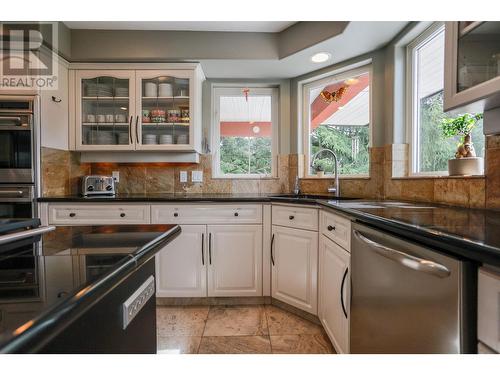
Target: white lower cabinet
{"points": [[234, 260], [334, 291], [181, 269], [294, 257], [228, 256]]}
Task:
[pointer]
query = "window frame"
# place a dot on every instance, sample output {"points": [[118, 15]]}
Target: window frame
{"points": [[412, 107], [235, 89], [339, 75]]}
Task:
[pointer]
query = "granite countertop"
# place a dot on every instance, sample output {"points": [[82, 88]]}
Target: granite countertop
{"points": [[470, 233], [79, 265]]}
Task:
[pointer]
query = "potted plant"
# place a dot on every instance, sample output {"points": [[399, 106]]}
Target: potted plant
{"points": [[319, 169], [465, 162]]}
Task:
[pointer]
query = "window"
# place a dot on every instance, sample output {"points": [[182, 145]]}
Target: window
{"points": [[429, 149], [245, 132], [337, 117]]}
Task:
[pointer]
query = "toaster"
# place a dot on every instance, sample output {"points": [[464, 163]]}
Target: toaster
{"points": [[98, 185]]}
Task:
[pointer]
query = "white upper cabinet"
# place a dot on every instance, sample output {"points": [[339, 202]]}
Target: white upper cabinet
{"points": [[137, 109], [55, 110], [472, 66], [105, 103]]}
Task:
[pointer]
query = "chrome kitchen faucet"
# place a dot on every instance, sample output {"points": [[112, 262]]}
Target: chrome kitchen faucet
{"points": [[335, 189]]}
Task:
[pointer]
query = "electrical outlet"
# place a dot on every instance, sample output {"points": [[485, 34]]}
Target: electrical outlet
{"points": [[116, 176], [197, 176], [183, 176]]}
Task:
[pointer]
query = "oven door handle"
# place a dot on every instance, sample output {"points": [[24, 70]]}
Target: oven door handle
{"points": [[25, 234], [11, 193], [406, 260], [15, 119]]}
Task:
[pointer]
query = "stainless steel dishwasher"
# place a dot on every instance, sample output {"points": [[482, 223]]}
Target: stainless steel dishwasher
{"points": [[406, 298]]}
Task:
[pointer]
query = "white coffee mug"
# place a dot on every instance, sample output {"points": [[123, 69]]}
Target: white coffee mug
{"points": [[110, 118], [120, 118], [90, 118], [101, 118]]}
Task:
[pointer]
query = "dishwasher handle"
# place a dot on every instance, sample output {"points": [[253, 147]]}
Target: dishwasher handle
{"points": [[406, 260]]}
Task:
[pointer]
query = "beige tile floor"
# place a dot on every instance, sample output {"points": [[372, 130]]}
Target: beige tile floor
{"points": [[237, 330]]}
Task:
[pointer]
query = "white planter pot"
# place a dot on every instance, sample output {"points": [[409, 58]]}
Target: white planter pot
{"points": [[465, 166], [320, 174]]}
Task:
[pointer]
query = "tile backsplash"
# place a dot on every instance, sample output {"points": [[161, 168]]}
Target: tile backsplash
{"points": [[61, 172]]}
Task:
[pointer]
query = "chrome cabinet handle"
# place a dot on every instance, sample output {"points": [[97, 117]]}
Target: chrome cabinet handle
{"points": [[203, 249], [136, 129], [406, 260], [210, 248], [130, 130], [342, 292], [272, 255]]}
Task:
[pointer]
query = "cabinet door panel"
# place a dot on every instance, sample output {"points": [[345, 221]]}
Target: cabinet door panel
{"points": [[181, 265], [105, 104], [294, 273], [164, 110], [334, 263], [235, 260]]}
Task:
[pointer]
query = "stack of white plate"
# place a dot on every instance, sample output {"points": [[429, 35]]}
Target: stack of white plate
{"points": [[121, 91], [123, 138], [165, 89], [149, 139], [99, 90], [182, 139], [105, 138], [166, 139], [151, 89]]}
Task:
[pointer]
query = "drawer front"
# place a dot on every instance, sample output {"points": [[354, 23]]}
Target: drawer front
{"points": [[336, 228], [206, 214], [99, 214], [295, 217]]}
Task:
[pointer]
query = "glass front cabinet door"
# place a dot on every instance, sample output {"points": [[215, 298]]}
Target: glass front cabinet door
{"points": [[149, 110], [164, 109], [105, 105], [472, 65]]}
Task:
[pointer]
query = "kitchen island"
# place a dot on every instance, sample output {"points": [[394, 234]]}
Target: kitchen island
{"points": [[70, 290]]}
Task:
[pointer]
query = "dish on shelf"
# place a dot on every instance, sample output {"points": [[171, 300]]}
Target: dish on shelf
{"points": [[151, 89], [165, 89]]}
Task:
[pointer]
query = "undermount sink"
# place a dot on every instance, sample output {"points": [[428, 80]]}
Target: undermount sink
{"points": [[310, 196]]}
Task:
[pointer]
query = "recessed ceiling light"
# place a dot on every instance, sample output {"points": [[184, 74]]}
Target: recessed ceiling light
{"points": [[321, 57]]}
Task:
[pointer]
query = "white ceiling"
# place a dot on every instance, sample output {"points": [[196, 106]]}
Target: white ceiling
{"points": [[232, 26]]}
